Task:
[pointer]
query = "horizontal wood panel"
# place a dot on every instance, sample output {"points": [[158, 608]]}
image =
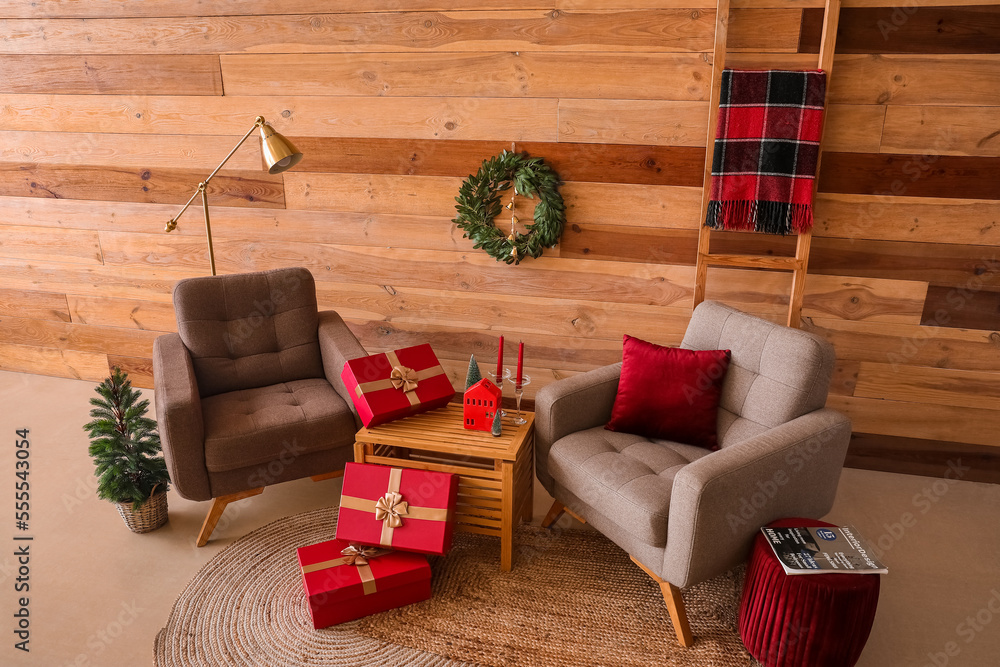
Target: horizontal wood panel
{"points": [[942, 130], [845, 377], [918, 456], [914, 420], [467, 271], [140, 370], [570, 353], [83, 338], [599, 163], [32, 243], [910, 175], [620, 30], [419, 308], [156, 185], [31, 358], [932, 386], [125, 313], [34, 304], [633, 122], [111, 74], [421, 118], [153, 281], [910, 345], [372, 193], [946, 264], [654, 76], [857, 299], [914, 27], [649, 206], [159, 8], [954, 80], [920, 219], [967, 307], [657, 206], [128, 150], [855, 128]]}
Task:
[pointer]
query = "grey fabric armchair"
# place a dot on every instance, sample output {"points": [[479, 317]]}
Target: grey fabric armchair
{"points": [[683, 513], [248, 392]]}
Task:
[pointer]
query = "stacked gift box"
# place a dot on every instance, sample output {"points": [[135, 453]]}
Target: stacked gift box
{"points": [[389, 519]]}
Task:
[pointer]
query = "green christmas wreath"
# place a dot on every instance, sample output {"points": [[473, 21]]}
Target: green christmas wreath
{"points": [[479, 202]]}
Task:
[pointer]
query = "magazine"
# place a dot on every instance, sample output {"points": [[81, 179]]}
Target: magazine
{"points": [[816, 550]]}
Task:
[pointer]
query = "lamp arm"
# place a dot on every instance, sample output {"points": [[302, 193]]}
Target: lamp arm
{"points": [[204, 184], [257, 123]]}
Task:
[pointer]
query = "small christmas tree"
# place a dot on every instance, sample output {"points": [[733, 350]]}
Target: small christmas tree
{"points": [[473, 375], [497, 429], [124, 443]]}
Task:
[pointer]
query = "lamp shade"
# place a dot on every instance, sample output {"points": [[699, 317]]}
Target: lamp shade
{"points": [[277, 152]]}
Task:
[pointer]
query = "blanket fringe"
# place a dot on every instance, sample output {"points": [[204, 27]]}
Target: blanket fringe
{"points": [[768, 217]]}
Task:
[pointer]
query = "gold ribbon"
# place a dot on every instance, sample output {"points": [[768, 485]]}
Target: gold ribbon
{"points": [[357, 556], [401, 378], [387, 508]]}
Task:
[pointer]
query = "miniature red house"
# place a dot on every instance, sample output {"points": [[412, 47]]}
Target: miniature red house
{"points": [[482, 400]]}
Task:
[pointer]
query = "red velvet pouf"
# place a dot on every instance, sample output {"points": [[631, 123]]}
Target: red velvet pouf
{"points": [[805, 620]]}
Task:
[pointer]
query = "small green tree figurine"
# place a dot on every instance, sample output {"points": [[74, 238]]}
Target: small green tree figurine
{"points": [[124, 444], [497, 429], [473, 375]]}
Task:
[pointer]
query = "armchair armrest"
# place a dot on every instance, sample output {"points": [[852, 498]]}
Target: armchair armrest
{"points": [[570, 405], [338, 345], [178, 411], [720, 501]]}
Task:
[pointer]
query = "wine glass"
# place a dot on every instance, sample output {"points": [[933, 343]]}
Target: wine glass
{"points": [[498, 381], [518, 393]]}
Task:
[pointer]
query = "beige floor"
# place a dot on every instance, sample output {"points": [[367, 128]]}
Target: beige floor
{"points": [[99, 593]]}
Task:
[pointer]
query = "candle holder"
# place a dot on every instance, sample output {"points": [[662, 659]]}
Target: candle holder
{"points": [[518, 393], [498, 381]]}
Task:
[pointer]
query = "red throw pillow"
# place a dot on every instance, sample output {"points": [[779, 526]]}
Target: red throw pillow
{"points": [[669, 392]]}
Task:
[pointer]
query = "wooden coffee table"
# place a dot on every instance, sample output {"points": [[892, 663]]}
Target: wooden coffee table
{"points": [[496, 474]]}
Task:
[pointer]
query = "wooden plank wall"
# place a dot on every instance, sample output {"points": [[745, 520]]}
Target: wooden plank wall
{"points": [[110, 114]]}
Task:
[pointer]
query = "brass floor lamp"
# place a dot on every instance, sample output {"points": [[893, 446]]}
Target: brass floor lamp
{"points": [[277, 153]]}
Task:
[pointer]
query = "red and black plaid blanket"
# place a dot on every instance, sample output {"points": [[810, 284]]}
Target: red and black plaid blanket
{"points": [[766, 150]]}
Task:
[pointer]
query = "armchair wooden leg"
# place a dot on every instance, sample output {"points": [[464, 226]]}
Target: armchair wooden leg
{"points": [[218, 507], [675, 605], [556, 511], [327, 475]]}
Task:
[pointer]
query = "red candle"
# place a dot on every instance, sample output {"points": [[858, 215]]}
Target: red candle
{"points": [[520, 362], [500, 362]]}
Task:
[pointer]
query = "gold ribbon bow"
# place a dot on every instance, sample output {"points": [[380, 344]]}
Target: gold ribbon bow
{"points": [[404, 378], [358, 555], [389, 507]]}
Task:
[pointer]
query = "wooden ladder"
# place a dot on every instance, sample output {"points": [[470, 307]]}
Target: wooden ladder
{"points": [[799, 264]]}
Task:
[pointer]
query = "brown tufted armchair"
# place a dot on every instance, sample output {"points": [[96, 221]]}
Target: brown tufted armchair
{"points": [[248, 392], [683, 513]]}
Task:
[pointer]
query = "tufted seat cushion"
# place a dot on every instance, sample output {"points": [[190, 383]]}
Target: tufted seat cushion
{"points": [[628, 476], [252, 426]]}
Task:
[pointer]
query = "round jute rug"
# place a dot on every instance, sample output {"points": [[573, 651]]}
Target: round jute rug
{"points": [[572, 598]]}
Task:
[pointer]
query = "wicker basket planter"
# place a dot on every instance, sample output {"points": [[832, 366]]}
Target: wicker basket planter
{"points": [[151, 514]]}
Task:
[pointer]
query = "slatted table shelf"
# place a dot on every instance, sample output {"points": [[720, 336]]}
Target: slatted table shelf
{"points": [[496, 474]]}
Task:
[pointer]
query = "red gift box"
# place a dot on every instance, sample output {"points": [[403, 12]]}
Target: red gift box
{"points": [[344, 583], [409, 510], [397, 384]]}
